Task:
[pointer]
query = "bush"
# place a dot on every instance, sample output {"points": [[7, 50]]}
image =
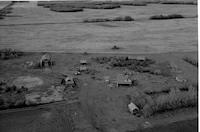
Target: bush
{"points": [[179, 2], [122, 18], [89, 5], [127, 18], [124, 61], [171, 16], [103, 6], [175, 99], [152, 91], [9, 53], [191, 61], [65, 9], [96, 20], [128, 3], [115, 47]]}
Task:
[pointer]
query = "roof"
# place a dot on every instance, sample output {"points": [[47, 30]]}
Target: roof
{"points": [[132, 106], [46, 57], [123, 79], [69, 80], [83, 61]]}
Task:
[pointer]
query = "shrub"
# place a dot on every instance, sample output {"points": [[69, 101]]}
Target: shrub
{"points": [[122, 18], [89, 5], [191, 61], [103, 6], [96, 20], [175, 99], [128, 18], [65, 9], [132, 64], [41, 3], [133, 3], [115, 47], [171, 16], [162, 68], [9, 53], [179, 2], [139, 99], [151, 91]]}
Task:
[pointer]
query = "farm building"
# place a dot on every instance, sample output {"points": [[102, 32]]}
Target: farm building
{"points": [[68, 81], [83, 62], [123, 80], [83, 68], [45, 61]]}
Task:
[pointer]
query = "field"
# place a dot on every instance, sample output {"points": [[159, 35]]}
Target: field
{"points": [[34, 26], [159, 56]]}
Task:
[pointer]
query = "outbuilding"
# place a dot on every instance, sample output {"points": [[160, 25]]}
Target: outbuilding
{"points": [[133, 109], [68, 81], [83, 68], [83, 62], [45, 61], [123, 80]]}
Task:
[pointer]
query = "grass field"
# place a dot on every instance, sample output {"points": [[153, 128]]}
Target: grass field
{"points": [[31, 28]]}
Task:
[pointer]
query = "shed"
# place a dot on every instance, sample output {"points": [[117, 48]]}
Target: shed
{"points": [[133, 109], [83, 68], [45, 60], [123, 80], [68, 81], [83, 62]]}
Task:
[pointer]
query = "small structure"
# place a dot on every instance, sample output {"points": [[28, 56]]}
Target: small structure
{"points": [[123, 80], [133, 109], [29, 64], [82, 68], [68, 81], [107, 79], [77, 73], [45, 61], [180, 79], [83, 62]]}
